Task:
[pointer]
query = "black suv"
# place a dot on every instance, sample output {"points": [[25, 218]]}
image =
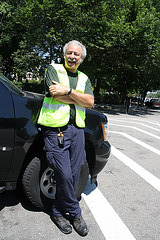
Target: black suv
{"points": [[22, 159]]}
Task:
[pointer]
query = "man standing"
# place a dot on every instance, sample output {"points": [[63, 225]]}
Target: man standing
{"points": [[127, 103], [67, 94]]}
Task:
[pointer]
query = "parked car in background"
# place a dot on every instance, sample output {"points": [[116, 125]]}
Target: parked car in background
{"points": [[152, 103], [155, 103], [22, 159]]}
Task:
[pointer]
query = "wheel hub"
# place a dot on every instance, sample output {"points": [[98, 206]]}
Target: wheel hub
{"points": [[48, 183]]}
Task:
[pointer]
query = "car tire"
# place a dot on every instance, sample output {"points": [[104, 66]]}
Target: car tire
{"points": [[39, 184]]}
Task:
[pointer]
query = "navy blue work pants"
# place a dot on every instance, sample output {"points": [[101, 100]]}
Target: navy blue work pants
{"points": [[66, 161]]}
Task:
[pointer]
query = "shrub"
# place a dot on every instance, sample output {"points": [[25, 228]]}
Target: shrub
{"points": [[31, 86]]}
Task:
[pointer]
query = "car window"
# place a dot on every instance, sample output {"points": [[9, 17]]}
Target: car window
{"points": [[11, 85]]}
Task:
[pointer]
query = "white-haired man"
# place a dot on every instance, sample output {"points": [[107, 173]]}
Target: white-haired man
{"points": [[67, 94]]}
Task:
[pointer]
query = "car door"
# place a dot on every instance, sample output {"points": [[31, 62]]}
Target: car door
{"points": [[6, 131]]}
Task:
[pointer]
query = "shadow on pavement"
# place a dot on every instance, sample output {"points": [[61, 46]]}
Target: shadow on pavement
{"points": [[13, 198], [120, 109]]}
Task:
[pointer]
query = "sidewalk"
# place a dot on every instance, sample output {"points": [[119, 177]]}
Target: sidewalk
{"points": [[120, 109]]}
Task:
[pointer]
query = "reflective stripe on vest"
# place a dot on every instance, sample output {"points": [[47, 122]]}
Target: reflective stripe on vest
{"points": [[57, 114]]}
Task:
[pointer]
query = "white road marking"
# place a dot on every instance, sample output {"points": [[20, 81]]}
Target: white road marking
{"points": [[109, 222], [138, 129], [137, 141], [142, 124], [147, 176], [135, 119]]}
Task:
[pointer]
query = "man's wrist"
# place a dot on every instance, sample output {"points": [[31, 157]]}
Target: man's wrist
{"points": [[70, 90]]}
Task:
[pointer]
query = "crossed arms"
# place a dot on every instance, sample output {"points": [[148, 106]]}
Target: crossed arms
{"points": [[59, 91]]}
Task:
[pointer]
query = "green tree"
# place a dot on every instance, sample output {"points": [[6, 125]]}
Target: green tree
{"points": [[121, 36], [26, 61], [123, 41], [9, 37]]}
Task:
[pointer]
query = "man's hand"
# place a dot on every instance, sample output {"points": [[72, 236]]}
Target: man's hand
{"points": [[58, 89]]}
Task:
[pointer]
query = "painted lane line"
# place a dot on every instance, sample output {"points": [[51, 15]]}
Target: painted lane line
{"points": [[109, 222], [136, 119], [142, 124], [138, 129], [137, 141], [143, 173]]}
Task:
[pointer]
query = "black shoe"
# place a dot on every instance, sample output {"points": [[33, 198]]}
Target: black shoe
{"points": [[62, 224], [80, 226]]}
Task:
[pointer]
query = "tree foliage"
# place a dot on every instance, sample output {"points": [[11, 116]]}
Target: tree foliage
{"points": [[122, 39]]}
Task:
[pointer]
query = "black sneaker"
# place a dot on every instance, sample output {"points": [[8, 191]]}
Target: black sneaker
{"points": [[80, 226], [62, 224]]}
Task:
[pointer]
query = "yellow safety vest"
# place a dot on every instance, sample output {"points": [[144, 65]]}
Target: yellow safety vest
{"points": [[57, 114]]}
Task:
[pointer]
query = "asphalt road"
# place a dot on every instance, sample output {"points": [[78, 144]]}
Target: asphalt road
{"points": [[126, 203]]}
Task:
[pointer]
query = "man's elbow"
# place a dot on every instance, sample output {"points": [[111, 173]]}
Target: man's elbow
{"points": [[91, 103]]}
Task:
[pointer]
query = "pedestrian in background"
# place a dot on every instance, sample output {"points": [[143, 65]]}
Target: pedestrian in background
{"points": [[127, 103]]}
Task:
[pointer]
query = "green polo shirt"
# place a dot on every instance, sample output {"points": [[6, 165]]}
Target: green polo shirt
{"points": [[51, 75]]}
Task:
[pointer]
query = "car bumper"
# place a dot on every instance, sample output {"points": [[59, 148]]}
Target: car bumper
{"points": [[102, 155]]}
